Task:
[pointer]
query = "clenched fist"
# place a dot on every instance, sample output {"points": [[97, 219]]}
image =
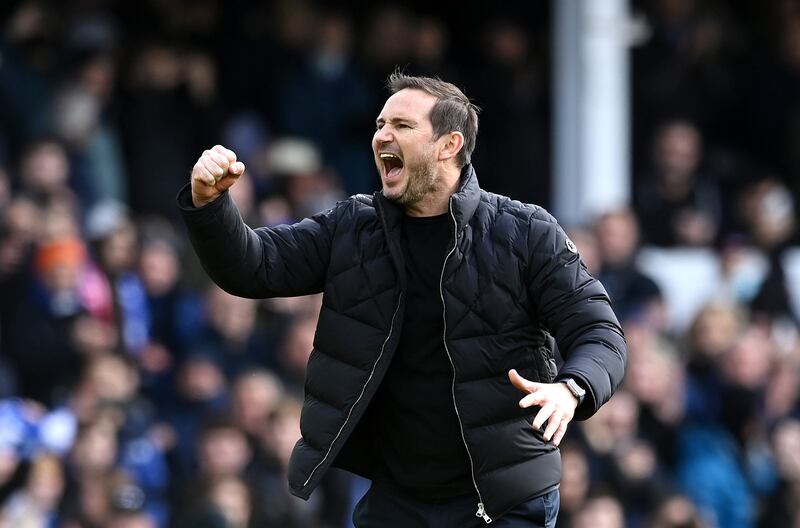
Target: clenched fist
{"points": [[215, 171]]}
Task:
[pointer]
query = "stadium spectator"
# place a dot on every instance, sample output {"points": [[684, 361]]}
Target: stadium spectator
{"points": [[678, 205], [634, 294]]}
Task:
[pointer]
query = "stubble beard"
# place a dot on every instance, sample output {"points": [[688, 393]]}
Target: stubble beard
{"points": [[422, 181]]}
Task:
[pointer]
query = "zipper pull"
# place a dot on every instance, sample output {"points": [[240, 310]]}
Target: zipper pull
{"points": [[482, 513]]}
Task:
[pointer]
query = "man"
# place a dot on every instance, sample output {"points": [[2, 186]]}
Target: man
{"points": [[441, 302]]}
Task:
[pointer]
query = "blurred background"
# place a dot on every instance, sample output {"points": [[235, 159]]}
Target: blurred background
{"points": [[665, 134]]}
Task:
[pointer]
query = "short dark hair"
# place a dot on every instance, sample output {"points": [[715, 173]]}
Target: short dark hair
{"points": [[453, 110]]}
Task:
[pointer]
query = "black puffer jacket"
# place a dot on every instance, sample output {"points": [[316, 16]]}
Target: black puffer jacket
{"points": [[511, 280]]}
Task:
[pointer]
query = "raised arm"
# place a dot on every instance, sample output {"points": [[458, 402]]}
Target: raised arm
{"points": [[284, 261]]}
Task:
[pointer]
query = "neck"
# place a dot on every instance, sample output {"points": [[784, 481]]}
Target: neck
{"points": [[437, 201]]}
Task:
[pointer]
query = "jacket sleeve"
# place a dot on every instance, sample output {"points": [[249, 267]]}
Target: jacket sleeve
{"points": [[574, 307], [283, 261]]}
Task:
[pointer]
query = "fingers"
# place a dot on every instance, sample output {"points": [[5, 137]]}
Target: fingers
{"points": [[534, 398], [236, 168], [215, 171], [521, 383], [543, 414], [553, 423], [560, 432], [229, 156], [556, 410], [556, 423], [201, 173], [216, 164]]}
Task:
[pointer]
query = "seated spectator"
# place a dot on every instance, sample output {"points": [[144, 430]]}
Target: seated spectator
{"points": [[227, 503], [231, 334], [175, 309], [714, 332], [90, 470], [295, 350], [676, 511], [44, 169], [37, 503], [37, 340], [677, 204], [223, 451], [575, 482], [83, 119], [298, 172], [134, 519], [113, 238], [710, 450], [633, 294], [603, 511], [770, 216], [782, 508], [232, 499], [272, 489], [255, 395], [200, 390], [223, 454]]}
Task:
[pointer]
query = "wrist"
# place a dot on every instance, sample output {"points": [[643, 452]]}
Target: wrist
{"points": [[575, 389], [199, 201]]}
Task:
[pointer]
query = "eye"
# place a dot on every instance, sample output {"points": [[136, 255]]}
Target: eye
{"points": [[402, 125]]}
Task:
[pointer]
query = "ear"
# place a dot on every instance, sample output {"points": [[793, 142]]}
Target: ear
{"points": [[451, 146]]}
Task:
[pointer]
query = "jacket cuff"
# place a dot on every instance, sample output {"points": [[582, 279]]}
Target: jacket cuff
{"points": [[207, 211]]}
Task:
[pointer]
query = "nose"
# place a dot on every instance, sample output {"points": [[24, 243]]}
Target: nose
{"points": [[382, 135]]}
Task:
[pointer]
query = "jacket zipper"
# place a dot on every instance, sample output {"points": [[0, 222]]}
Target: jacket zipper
{"points": [[481, 510], [361, 395]]}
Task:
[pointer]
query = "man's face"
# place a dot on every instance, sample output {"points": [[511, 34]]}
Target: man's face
{"points": [[404, 147]]}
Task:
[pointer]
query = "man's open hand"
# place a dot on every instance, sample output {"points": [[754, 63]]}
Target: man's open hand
{"points": [[557, 405], [215, 171]]}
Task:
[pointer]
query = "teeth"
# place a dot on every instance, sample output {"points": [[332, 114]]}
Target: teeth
{"points": [[387, 155]]}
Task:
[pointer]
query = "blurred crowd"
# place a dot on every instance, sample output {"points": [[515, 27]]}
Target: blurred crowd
{"points": [[135, 394]]}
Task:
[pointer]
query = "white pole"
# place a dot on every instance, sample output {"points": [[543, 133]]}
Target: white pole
{"points": [[592, 117]]}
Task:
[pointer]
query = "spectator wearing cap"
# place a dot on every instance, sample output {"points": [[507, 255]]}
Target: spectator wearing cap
{"points": [[297, 168]]}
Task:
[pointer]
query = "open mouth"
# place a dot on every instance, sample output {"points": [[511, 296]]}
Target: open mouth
{"points": [[392, 164]]}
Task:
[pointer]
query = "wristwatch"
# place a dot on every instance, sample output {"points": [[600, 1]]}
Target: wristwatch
{"points": [[574, 388]]}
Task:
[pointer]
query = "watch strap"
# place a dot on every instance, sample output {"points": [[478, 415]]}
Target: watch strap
{"points": [[575, 388]]}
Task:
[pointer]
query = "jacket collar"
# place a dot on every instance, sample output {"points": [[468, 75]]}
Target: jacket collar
{"points": [[464, 202]]}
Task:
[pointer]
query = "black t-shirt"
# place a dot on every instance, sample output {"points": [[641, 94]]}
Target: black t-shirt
{"points": [[415, 430]]}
